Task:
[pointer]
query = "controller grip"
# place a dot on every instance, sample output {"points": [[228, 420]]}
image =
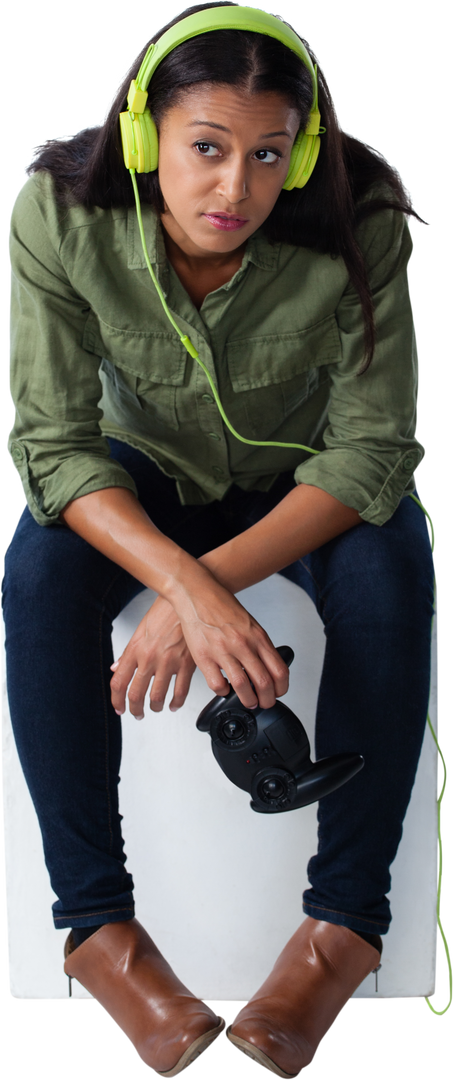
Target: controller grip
{"points": [[318, 780], [325, 776]]}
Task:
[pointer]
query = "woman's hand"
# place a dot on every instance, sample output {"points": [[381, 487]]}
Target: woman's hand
{"points": [[223, 637], [157, 650], [214, 633]]}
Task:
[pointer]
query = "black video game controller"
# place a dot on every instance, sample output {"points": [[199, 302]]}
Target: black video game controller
{"points": [[267, 753]]}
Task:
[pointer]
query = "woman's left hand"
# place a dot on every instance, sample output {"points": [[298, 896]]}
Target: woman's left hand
{"points": [[157, 650]]}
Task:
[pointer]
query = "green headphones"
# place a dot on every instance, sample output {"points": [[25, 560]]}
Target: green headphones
{"points": [[138, 130]]}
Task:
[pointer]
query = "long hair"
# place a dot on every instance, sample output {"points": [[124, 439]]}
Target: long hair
{"points": [[89, 168]]}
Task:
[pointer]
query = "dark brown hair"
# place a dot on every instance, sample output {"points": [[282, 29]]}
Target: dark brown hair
{"points": [[89, 168]]}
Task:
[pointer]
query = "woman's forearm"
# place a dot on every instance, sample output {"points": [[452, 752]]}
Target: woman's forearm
{"points": [[113, 521], [304, 520]]}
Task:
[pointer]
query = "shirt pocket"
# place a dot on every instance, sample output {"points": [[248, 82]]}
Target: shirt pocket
{"points": [[143, 369], [279, 372]]}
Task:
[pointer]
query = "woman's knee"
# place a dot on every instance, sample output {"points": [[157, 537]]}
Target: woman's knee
{"points": [[61, 583], [382, 574], [49, 567], [408, 564]]}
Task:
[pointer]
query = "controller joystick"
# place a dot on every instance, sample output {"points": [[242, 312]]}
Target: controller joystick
{"points": [[267, 753]]}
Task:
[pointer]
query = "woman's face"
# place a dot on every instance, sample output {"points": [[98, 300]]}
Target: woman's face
{"points": [[223, 159]]}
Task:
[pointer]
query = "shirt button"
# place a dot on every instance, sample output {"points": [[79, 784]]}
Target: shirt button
{"points": [[213, 435], [219, 473], [16, 454], [408, 464], [208, 398]]}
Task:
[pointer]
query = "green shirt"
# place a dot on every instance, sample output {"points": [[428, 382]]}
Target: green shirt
{"points": [[94, 355]]}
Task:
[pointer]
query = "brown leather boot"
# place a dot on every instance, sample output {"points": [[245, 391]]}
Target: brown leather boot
{"points": [[318, 970], [121, 967]]}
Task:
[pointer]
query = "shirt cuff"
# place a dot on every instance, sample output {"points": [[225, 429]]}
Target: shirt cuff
{"points": [[78, 475], [362, 484]]}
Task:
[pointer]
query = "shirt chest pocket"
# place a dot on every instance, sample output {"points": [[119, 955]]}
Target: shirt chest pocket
{"points": [[278, 373], [142, 370]]}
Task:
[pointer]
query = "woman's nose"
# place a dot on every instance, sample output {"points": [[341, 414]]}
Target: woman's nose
{"points": [[233, 182]]}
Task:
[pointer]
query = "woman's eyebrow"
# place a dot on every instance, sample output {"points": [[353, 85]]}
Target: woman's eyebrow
{"points": [[219, 127]]}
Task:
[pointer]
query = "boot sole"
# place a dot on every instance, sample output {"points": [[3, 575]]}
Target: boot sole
{"points": [[195, 1050], [260, 1058]]}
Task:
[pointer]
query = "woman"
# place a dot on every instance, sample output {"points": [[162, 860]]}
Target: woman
{"points": [[296, 301]]}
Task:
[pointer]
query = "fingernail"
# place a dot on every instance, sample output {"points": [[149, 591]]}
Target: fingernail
{"points": [[114, 666], [142, 717], [174, 708]]}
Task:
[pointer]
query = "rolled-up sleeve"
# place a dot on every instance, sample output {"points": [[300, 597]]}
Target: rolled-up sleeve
{"points": [[370, 448], [56, 443]]}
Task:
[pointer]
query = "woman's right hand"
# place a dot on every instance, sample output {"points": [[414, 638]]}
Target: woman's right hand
{"points": [[157, 651]]}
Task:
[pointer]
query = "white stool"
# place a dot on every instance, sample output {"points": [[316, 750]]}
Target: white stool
{"points": [[216, 885]]}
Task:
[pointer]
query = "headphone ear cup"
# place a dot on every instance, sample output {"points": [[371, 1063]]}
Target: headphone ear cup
{"points": [[140, 141], [304, 156]]}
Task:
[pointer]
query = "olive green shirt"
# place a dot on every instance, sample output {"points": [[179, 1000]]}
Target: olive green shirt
{"points": [[94, 355]]}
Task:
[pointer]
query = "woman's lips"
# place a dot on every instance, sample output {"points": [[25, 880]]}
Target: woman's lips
{"points": [[226, 221]]}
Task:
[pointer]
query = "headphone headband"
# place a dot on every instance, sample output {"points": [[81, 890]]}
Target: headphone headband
{"points": [[138, 131], [224, 18]]}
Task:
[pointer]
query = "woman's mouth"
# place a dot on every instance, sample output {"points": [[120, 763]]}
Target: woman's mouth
{"points": [[226, 221]]}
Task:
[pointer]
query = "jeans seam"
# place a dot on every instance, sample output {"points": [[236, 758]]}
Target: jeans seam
{"points": [[319, 591]]}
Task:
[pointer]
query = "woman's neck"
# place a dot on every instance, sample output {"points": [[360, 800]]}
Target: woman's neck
{"points": [[199, 266]]}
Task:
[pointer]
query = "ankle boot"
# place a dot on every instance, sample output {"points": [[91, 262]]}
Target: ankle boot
{"points": [[318, 970], [121, 967]]}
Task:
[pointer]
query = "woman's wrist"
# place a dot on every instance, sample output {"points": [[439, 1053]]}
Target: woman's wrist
{"points": [[189, 586]]}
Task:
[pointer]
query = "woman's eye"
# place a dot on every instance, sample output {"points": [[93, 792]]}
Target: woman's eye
{"points": [[268, 156], [207, 149]]}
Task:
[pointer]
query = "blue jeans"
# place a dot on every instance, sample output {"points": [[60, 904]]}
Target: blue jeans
{"points": [[373, 588]]}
